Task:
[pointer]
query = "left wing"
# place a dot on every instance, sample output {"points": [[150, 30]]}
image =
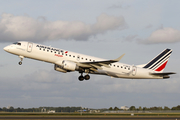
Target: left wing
{"points": [[97, 64]]}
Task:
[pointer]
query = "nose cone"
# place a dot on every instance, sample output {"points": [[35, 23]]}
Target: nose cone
{"points": [[6, 48]]}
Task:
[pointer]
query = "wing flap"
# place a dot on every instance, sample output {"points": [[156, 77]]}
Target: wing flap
{"points": [[96, 66]]}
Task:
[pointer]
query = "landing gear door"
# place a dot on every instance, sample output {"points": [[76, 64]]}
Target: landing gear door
{"points": [[29, 47], [134, 70]]}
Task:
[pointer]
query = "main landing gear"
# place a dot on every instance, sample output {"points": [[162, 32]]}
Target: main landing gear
{"points": [[86, 77], [21, 57]]}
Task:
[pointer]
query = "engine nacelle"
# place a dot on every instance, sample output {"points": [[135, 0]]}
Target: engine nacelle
{"points": [[68, 65], [59, 68]]}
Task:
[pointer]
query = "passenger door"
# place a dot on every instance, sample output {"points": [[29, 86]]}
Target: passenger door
{"points": [[29, 47], [134, 70]]}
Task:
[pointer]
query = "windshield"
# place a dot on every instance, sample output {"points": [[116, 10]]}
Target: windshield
{"points": [[16, 43]]}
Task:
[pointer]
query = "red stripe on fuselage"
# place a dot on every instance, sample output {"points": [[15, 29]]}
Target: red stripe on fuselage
{"points": [[161, 67]]}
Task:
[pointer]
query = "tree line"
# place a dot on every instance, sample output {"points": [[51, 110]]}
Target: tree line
{"points": [[133, 108], [77, 109], [40, 109]]}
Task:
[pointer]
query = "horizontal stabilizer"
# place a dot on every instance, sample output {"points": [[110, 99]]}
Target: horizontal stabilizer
{"points": [[164, 75], [168, 73]]}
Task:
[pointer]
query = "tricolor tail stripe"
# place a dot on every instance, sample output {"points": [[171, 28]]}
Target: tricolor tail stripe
{"points": [[160, 61]]}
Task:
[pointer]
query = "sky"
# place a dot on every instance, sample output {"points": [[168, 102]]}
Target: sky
{"points": [[101, 28]]}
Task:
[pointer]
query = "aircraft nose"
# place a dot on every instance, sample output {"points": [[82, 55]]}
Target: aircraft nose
{"points": [[6, 48]]}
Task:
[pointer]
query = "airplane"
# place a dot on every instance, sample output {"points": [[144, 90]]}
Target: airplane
{"points": [[67, 61]]}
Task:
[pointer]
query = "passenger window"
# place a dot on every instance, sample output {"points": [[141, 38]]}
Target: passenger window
{"points": [[69, 55], [54, 52], [66, 54], [89, 59], [74, 56], [58, 52], [118, 66], [39, 48], [93, 60], [82, 58], [114, 65], [47, 50], [43, 49], [86, 58]]}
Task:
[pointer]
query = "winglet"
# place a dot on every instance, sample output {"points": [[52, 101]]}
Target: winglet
{"points": [[119, 58]]}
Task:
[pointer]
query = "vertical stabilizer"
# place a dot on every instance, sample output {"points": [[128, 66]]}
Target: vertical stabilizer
{"points": [[159, 62]]}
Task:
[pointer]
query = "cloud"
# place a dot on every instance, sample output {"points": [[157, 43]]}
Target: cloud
{"points": [[2, 65], [55, 83], [130, 37], [67, 89], [149, 26], [164, 35], [120, 6], [15, 28], [142, 86], [115, 7]]}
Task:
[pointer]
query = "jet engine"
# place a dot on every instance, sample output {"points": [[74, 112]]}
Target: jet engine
{"points": [[68, 65], [59, 68]]}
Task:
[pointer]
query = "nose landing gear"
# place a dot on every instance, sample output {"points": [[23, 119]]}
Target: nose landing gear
{"points": [[21, 57], [20, 63]]}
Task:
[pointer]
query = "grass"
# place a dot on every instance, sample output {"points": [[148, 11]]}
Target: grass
{"points": [[86, 114]]}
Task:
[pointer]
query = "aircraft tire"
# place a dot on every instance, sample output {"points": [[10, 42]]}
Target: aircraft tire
{"points": [[20, 63], [86, 77], [81, 78]]}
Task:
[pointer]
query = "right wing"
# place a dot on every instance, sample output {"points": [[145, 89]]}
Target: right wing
{"points": [[98, 64]]}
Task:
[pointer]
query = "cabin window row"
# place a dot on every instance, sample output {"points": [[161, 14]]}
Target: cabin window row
{"points": [[81, 58], [51, 51], [120, 66], [65, 54]]}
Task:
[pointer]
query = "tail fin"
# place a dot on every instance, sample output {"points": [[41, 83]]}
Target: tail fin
{"points": [[159, 62]]}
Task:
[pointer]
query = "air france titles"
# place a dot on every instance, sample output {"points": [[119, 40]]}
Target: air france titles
{"points": [[52, 49]]}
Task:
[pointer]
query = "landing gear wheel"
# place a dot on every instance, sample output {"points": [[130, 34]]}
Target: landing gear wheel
{"points": [[86, 77], [81, 78], [21, 57], [20, 63]]}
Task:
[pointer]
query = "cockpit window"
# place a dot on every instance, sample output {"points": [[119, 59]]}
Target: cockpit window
{"points": [[16, 43]]}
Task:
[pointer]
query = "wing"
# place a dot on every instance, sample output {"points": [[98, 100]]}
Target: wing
{"points": [[98, 64]]}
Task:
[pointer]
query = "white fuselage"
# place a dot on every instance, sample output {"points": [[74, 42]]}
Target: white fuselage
{"points": [[56, 56]]}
